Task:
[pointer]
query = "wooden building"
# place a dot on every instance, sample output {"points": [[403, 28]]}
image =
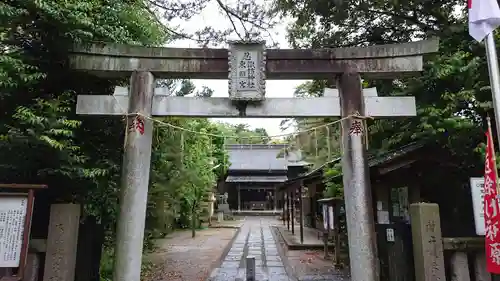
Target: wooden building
{"points": [[411, 174], [252, 177]]}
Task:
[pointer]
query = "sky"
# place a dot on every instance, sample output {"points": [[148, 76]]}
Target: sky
{"points": [[277, 88]]}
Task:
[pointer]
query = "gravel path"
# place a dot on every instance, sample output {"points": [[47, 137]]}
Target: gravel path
{"points": [[182, 258], [309, 265]]}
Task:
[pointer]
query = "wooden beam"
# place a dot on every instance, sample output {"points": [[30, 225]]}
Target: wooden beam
{"points": [[38, 245], [223, 108], [385, 61], [22, 186], [463, 243]]}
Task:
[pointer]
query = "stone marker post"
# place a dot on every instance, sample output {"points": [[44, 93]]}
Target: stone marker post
{"points": [[359, 211], [62, 242], [480, 271], [427, 242], [135, 179], [250, 269], [459, 266]]}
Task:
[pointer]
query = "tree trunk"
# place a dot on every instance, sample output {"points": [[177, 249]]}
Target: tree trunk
{"points": [[193, 222]]}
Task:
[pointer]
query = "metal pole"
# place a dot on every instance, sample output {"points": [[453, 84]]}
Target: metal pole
{"points": [[491, 56], [357, 190], [492, 59], [135, 180]]}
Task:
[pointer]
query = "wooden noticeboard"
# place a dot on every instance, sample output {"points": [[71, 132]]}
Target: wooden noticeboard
{"points": [[13, 211], [16, 210]]}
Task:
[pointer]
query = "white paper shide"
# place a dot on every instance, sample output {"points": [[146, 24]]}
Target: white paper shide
{"points": [[12, 217], [246, 71]]}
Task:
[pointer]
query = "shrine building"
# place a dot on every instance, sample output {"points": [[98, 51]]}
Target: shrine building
{"points": [[255, 172]]}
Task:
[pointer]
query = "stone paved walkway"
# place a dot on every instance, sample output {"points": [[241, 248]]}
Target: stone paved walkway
{"points": [[254, 239]]}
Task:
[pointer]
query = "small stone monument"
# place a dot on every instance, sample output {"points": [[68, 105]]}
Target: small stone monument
{"points": [[223, 206]]}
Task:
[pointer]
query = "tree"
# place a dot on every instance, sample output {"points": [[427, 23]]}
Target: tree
{"points": [[242, 134], [38, 96], [353, 23], [42, 140], [248, 19], [453, 96]]}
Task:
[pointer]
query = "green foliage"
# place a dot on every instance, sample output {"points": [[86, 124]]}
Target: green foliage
{"points": [[333, 186], [186, 166], [42, 140], [453, 96], [341, 23], [241, 134]]}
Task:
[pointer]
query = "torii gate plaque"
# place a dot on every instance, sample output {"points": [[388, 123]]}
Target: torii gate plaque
{"points": [[247, 85]]}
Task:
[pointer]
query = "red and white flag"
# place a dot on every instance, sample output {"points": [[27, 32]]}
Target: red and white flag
{"points": [[491, 208], [484, 17]]}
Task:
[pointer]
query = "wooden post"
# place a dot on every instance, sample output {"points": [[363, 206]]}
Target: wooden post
{"points": [[336, 230], [32, 267], [288, 210], [275, 200], [239, 197], [292, 195], [135, 180], [301, 215], [282, 206], [325, 244], [89, 251]]}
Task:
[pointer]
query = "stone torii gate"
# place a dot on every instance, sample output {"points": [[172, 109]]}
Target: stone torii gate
{"points": [[248, 64]]}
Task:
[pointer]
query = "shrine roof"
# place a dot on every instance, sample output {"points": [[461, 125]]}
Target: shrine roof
{"points": [[373, 161], [257, 157]]}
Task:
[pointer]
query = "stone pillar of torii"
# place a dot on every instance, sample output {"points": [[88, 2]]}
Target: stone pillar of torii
{"points": [[248, 65]]}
